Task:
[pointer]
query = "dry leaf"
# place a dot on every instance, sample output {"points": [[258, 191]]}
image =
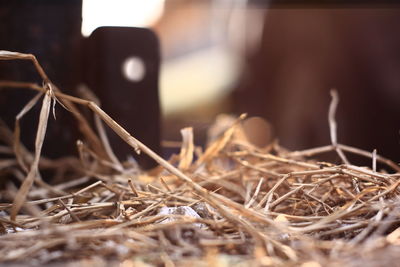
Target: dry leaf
{"points": [[17, 148], [187, 149], [41, 132], [219, 144]]}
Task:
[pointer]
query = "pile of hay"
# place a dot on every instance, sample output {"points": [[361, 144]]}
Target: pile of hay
{"points": [[231, 204]]}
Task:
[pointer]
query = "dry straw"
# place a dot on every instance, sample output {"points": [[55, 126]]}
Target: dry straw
{"points": [[255, 206]]}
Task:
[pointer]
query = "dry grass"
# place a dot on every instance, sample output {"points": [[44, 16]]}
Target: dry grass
{"points": [[233, 204]]}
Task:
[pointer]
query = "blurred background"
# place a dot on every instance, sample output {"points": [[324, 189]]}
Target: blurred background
{"points": [[271, 60]]}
